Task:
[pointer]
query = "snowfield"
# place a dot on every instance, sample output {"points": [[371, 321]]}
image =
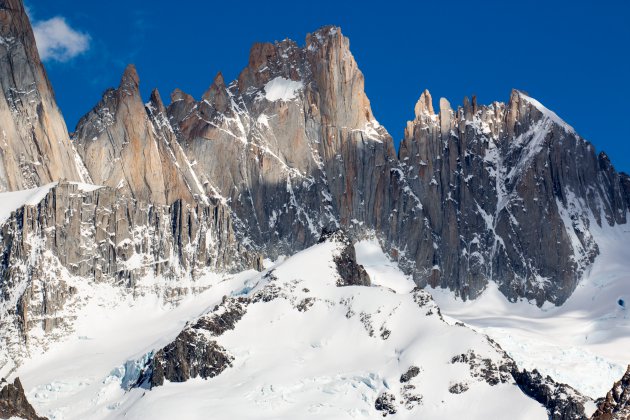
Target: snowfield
{"points": [[81, 376], [332, 358]]}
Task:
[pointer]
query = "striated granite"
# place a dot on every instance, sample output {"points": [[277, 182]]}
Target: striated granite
{"points": [[302, 150], [509, 192], [34, 145]]}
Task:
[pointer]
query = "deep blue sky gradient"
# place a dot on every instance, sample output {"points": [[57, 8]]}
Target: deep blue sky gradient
{"points": [[573, 56]]}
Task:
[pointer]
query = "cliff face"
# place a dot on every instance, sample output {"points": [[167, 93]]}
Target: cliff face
{"points": [[76, 238], [34, 145]]}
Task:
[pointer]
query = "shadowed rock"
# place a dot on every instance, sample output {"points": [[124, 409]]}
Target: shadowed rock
{"points": [[13, 402], [350, 272]]}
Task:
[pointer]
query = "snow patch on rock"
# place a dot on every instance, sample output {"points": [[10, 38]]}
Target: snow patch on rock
{"points": [[281, 89]]}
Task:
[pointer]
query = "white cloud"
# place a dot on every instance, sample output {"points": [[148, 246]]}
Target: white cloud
{"points": [[57, 41]]}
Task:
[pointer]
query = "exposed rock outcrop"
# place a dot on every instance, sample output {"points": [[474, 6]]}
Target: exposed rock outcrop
{"points": [[13, 402], [485, 369], [35, 148], [386, 403], [350, 272], [195, 352], [561, 401], [411, 373], [616, 404]]}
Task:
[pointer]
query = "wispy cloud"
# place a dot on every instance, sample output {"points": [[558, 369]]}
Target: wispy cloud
{"points": [[56, 40]]}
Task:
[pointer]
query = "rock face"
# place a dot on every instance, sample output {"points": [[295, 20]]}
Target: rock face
{"points": [[305, 152], [34, 145], [505, 196], [193, 353], [131, 146], [616, 404], [561, 401], [13, 402], [73, 238]]}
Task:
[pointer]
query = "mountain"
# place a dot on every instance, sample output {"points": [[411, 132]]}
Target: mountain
{"points": [[35, 146], [512, 194], [267, 246], [307, 153], [458, 207]]}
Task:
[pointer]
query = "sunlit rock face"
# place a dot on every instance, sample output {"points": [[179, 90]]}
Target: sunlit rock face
{"points": [[34, 145]]}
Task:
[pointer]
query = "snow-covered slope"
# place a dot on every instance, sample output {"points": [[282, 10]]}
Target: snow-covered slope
{"points": [[80, 376], [585, 342], [304, 347]]}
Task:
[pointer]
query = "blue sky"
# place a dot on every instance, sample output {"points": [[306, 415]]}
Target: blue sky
{"points": [[573, 56]]}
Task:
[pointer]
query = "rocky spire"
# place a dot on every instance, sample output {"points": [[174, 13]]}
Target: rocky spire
{"points": [[130, 81], [131, 148], [340, 83], [179, 95], [13, 402], [35, 147], [446, 115], [217, 94], [155, 101], [424, 106]]}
